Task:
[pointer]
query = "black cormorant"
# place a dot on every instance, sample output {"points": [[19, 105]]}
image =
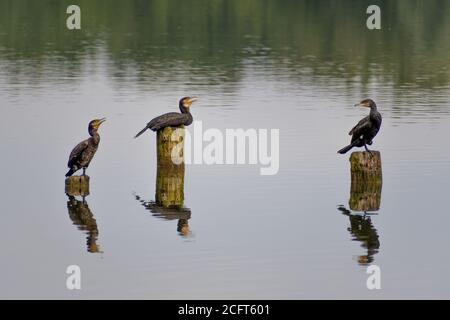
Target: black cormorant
{"points": [[82, 154], [172, 119], [366, 129]]}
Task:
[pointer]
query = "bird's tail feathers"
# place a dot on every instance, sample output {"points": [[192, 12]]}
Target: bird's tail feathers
{"points": [[70, 172], [346, 149], [141, 132]]}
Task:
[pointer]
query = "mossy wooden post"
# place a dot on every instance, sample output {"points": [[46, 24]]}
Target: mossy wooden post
{"points": [[170, 167], [77, 186], [366, 181]]}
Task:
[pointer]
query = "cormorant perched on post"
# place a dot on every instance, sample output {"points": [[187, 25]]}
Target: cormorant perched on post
{"points": [[366, 129], [82, 154], [172, 119]]}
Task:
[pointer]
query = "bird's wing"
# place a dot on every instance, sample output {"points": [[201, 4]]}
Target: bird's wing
{"points": [[166, 120], [77, 151], [361, 127]]}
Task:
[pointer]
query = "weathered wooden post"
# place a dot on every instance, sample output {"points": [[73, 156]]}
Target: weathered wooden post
{"points": [[170, 167], [77, 186], [169, 191], [366, 181]]}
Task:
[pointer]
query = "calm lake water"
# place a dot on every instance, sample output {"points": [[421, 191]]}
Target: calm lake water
{"points": [[297, 66]]}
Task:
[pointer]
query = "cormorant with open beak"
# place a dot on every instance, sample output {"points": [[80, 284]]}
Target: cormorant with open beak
{"points": [[172, 119], [82, 154], [366, 129]]}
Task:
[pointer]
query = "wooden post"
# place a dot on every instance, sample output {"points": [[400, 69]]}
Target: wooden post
{"points": [[170, 168], [365, 164], [366, 181], [77, 186]]}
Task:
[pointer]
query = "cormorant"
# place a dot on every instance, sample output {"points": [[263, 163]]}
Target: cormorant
{"points": [[82, 154], [172, 119], [366, 129]]}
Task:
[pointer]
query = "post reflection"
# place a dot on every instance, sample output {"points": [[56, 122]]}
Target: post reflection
{"points": [[362, 230], [83, 218], [182, 214], [366, 181], [169, 189], [365, 200]]}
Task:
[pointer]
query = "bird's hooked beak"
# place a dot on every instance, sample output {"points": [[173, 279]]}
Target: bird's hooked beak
{"points": [[192, 99], [362, 104], [100, 121], [187, 102]]}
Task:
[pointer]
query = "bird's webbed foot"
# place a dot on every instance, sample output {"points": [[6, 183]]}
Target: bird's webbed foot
{"points": [[369, 151]]}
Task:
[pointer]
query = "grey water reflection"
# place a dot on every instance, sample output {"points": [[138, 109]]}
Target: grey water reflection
{"points": [[84, 219], [143, 48], [182, 214], [362, 230]]}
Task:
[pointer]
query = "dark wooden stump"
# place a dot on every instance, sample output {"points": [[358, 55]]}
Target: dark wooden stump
{"points": [[170, 168], [77, 186], [366, 181]]}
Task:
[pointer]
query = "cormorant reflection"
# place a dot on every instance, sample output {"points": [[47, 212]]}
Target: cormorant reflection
{"points": [[82, 217], [362, 229], [181, 214], [365, 196]]}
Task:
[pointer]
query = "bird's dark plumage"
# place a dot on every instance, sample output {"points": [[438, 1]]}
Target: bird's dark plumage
{"points": [[82, 154], [366, 129], [172, 119]]}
